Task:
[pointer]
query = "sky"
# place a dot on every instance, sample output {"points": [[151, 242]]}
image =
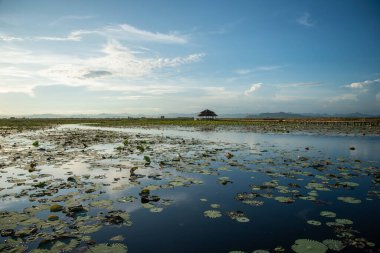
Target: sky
{"points": [[158, 57]]}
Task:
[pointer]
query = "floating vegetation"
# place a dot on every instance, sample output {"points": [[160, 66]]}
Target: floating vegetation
{"points": [[224, 180], [117, 238], [350, 200], [314, 222], [109, 248], [239, 216], [308, 246], [242, 219], [328, 214], [156, 209], [283, 199], [212, 214], [334, 244], [344, 221], [56, 208], [76, 188], [103, 203]]}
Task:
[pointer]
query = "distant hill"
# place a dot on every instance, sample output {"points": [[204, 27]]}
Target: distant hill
{"points": [[277, 115], [288, 115], [267, 115]]}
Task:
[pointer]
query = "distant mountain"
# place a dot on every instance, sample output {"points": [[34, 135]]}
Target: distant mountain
{"points": [[288, 115], [267, 115], [276, 115]]}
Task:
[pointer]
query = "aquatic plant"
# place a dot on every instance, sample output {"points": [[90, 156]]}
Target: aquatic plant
{"points": [[334, 244], [308, 246], [344, 221], [350, 200], [242, 219], [314, 222], [328, 214], [147, 160], [56, 208], [109, 248], [284, 199], [36, 143], [212, 214], [156, 209], [53, 217]]}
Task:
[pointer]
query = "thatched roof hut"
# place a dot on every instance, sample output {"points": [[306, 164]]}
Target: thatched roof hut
{"points": [[207, 114]]}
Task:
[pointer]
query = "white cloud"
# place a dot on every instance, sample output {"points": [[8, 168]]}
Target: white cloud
{"points": [[118, 61], [268, 68], [140, 34], [257, 69], [343, 97], [114, 68], [360, 85], [117, 32], [243, 71], [123, 32], [305, 20], [73, 36], [4, 37], [300, 85], [254, 87]]}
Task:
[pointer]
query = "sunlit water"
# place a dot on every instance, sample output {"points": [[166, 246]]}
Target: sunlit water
{"points": [[257, 158]]}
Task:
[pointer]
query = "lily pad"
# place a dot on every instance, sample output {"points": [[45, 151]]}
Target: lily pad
{"points": [[334, 244], [308, 246], [212, 214], [314, 222], [344, 221], [350, 200], [328, 214]]}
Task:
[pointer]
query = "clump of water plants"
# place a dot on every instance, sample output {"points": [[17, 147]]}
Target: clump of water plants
{"points": [[36, 143], [56, 208], [350, 200], [212, 214], [334, 244], [308, 246], [328, 214], [109, 248], [344, 221], [147, 160]]}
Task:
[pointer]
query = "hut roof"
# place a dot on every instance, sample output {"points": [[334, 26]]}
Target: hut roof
{"points": [[207, 112]]}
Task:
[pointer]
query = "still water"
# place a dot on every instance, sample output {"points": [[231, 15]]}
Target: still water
{"points": [[219, 191]]}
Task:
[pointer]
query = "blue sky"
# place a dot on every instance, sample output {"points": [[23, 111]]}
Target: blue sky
{"points": [[156, 57]]}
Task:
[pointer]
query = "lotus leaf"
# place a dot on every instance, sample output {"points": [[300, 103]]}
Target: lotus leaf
{"points": [[350, 200], [344, 221], [308, 246], [328, 214], [314, 222], [334, 244], [212, 214]]}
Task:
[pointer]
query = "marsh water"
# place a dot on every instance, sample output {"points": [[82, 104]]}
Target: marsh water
{"points": [[184, 190]]}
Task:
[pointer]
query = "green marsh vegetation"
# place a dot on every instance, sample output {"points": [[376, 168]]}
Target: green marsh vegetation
{"points": [[360, 126]]}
